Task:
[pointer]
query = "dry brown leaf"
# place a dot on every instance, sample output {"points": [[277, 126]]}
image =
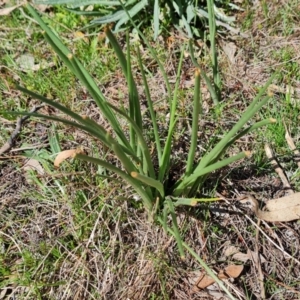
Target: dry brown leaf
{"points": [[243, 257], [204, 281], [230, 251], [63, 155], [234, 271], [283, 209], [33, 164], [230, 49]]}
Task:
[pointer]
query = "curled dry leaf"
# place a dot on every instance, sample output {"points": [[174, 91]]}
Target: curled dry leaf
{"points": [[63, 155]]}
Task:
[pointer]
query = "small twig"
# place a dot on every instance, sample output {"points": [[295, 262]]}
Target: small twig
{"points": [[278, 170], [258, 263], [9, 144]]}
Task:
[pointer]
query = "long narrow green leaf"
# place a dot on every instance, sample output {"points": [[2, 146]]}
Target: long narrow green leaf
{"points": [[58, 51], [257, 125], [179, 10], [141, 141], [154, 55], [203, 74], [136, 114], [167, 149], [250, 129], [126, 162], [147, 200], [175, 227], [247, 115], [191, 201], [52, 103], [208, 270], [202, 263], [87, 81], [141, 4], [213, 167], [195, 121], [110, 18], [149, 181], [49, 32], [77, 68], [96, 131], [151, 110], [132, 97]]}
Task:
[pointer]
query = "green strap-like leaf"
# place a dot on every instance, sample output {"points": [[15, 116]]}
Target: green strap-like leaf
{"points": [[150, 181], [147, 199]]}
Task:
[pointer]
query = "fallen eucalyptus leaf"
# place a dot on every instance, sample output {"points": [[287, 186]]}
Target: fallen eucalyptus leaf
{"points": [[63, 155], [283, 209]]}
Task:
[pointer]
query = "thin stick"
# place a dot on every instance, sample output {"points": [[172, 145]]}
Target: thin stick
{"points": [[278, 170], [9, 144]]}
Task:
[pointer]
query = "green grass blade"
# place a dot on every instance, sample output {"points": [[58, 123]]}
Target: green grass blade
{"points": [[134, 103], [198, 258], [147, 200], [115, 17], [251, 128], [195, 121], [52, 103], [192, 201], [77, 68], [149, 181]]}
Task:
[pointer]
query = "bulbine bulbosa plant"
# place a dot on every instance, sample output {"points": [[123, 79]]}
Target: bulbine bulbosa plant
{"points": [[132, 150]]}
